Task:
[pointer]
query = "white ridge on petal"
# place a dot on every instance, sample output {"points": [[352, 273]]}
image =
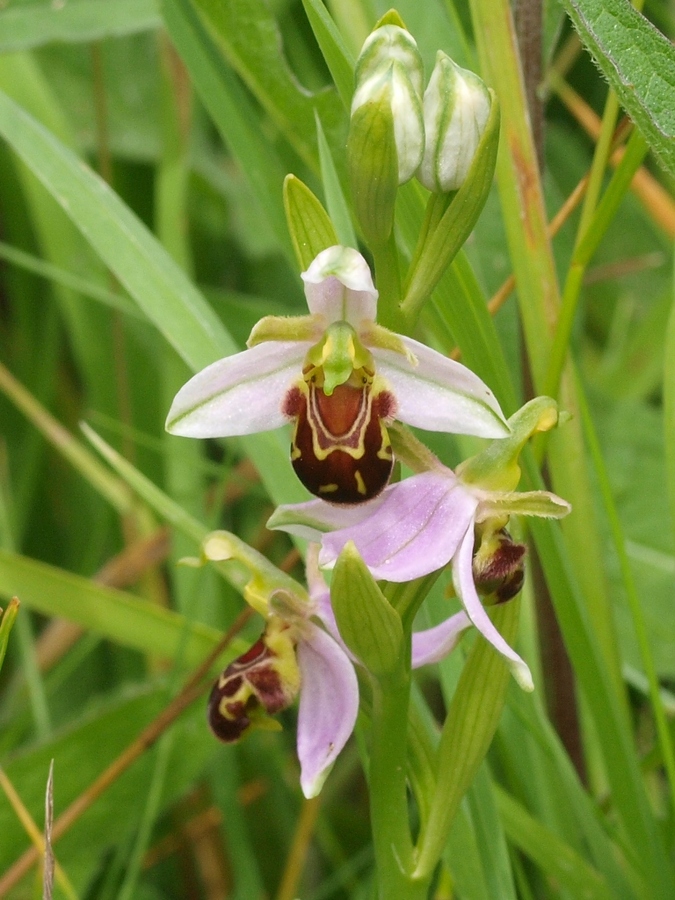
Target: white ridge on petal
{"points": [[439, 394], [240, 394]]}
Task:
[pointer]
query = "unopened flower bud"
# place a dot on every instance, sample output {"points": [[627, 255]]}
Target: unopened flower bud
{"points": [[456, 110], [263, 681], [389, 75]]}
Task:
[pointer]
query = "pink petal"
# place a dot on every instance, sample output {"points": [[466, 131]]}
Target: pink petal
{"points": [[329, 703], [432, 645], [319, 594], [339, 286], [240, 394], [440, 394], [415, 530], [313, 518], [462, 576]]}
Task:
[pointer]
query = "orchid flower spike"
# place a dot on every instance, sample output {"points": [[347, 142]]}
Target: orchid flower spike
{"points": [[342, 379], [438, 516], [294, 655]]}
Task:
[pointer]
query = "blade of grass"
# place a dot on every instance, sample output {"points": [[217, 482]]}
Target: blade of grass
{"points": [[563, 865], [193, 688], [632, 595], [27, 25], [67, 279], [338, 58], [117, 615], [232, 112], [151, 277]]}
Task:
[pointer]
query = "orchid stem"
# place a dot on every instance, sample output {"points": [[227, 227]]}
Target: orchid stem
{"points": [[388, 792], [388, 280]]}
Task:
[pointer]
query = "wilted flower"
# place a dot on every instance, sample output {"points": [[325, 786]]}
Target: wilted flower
{"points": [[456, 110], [436, 517], [342, 378]]}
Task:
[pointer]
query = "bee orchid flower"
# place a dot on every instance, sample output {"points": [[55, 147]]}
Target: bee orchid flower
{"points": [[342, 379], [300, 652], [437, 517]]}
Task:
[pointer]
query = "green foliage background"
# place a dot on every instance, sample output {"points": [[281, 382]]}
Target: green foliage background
{"points": [[113, 290]]}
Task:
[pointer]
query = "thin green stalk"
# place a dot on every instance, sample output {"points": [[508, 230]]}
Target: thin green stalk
{"points": [[598, 166], [388, 281], [406, 598], [388, 792], [78, 456], [586, 246], [64, 278], [637, 614], [150, 814]]}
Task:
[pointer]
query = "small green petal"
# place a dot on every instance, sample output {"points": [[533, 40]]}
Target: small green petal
{"points": [[285, 328], [265, 578], [530, 503], [378, 336], [496, 468]]}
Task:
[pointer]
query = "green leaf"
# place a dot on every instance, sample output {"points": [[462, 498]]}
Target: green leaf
{"points": [[146, 270], [335, 199], [81, 753], [159, 286], [473, 716], [369, 625], [308, 222], [556, 858], [639, 63], [116, 615], [27, 25], [63, 277], [373, 170], [232, 111], [7, 618], [669, 411], [339, 60], [248, 35]]}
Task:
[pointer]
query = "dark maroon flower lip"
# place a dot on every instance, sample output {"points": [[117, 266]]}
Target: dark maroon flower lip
{"points": [[250, 687], [341, 450]]}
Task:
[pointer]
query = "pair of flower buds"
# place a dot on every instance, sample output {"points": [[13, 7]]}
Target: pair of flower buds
{"points": [[436, 134]]}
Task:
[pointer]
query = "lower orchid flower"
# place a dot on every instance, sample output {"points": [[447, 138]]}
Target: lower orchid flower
{"points": [[438, 517], [294, 655], [301, 653]]}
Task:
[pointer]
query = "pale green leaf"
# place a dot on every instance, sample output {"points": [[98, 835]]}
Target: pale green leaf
{"points": [[27, 25], [114, 614], [557, 859]]}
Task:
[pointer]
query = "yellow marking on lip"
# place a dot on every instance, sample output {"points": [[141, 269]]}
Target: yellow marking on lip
{"points": [[328, 488], [360, 483]]}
